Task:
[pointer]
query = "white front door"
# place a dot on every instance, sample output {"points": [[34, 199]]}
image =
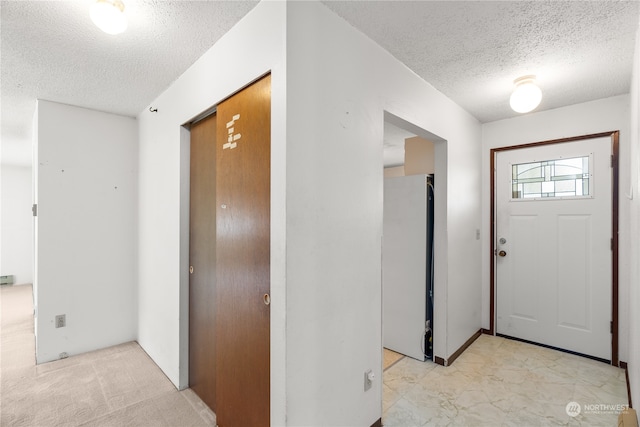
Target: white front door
{"points": [[553, 245]]}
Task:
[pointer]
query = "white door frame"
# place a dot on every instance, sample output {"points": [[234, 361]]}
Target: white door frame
{"points": [[614, 138]]}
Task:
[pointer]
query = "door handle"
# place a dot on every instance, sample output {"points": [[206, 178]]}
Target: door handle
{"points": [[191, 269], [266, 298], [502, 253]]}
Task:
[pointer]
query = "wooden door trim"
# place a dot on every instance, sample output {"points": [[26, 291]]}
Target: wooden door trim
{"points": [[615, 137]]}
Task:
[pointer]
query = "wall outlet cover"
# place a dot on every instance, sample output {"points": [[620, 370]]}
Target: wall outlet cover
{"points": [[368, 379]]}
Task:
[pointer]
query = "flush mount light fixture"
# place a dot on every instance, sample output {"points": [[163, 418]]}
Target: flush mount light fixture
{"points": [[108, 15], [526, 96]]}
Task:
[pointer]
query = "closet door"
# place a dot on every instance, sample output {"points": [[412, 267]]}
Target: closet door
{"points": [[202, 245], [243, 257]]}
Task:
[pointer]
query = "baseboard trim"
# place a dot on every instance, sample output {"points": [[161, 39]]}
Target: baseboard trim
{"points": [[464, 346], [377, 423], [486, 331], [623, 365], [448, 362]]}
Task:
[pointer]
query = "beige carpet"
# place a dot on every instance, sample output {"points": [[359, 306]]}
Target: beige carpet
{"points": [[116, 386]]}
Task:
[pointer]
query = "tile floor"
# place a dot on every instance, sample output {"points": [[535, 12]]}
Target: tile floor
{"points": [[501, 382]]}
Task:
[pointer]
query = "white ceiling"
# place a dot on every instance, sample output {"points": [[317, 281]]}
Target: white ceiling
{"points": [[470, 51]]}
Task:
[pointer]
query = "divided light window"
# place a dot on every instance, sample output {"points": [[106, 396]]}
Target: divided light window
{"points": [[552, 179]]}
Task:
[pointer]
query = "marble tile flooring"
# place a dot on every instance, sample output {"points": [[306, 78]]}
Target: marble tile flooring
{"points": [[501, 382]]}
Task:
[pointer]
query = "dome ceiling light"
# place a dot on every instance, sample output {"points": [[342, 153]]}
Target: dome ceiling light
{"points": [[108, 15], [526, 96]]}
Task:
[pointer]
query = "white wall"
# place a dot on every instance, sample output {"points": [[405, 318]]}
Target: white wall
{"points": [[339, 85], [634, 292], [16, 246], [326, 207], [86, 229], [252, 48], [603, 115]]}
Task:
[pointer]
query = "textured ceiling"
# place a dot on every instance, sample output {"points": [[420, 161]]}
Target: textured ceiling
{"points": [[51, 50], [470, 51], [473, 50]]}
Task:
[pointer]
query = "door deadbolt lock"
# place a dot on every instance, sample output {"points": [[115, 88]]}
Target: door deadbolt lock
{"points": [[502, 240], [502, 253]]}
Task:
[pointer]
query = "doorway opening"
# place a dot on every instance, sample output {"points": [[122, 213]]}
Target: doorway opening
{"points": [[407, 246], [413, 323], [418, 157]]}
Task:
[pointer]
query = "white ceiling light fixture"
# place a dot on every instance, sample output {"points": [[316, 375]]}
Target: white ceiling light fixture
{"points": [[526, 96], [108, 15]]}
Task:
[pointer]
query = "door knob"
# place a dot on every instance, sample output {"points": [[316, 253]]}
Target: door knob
{"points": [[502, 253], [191, 269], [266, 298]]}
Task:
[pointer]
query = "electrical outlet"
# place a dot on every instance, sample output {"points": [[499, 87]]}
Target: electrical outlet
{"points": [[369, 376], [61, 320]]}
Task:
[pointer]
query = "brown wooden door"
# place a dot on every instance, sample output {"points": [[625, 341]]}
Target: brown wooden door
{"points": [[202, 245], [243, 257]]}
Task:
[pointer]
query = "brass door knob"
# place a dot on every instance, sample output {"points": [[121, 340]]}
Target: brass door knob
{"points": [[502, 253], [266, 298]]}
